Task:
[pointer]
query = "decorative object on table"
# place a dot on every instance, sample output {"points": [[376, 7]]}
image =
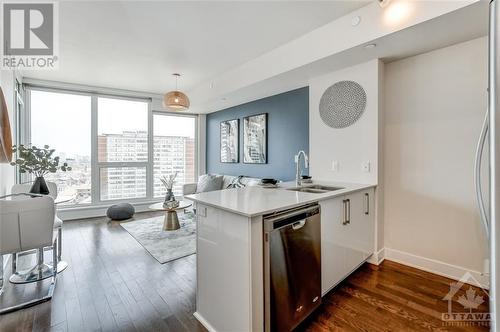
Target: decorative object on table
{"points": [[306, 179], [171, 204], [5, 132], [342, 104], [171, 220], [229, 141], [164, 246], [176, 100], [268, 183], [209, 182], [121, 211], [168, 182], [255, 139], [38, 162]]}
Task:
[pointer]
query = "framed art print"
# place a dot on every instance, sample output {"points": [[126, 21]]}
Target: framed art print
{"points": [[255, 139], [229, 141]]}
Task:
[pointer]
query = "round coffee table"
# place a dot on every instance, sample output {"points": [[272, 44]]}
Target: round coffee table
{"points": [[171, 222]]}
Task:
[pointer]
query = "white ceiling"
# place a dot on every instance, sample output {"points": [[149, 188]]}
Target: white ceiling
{"points": [[137, 45], [440, 31]]}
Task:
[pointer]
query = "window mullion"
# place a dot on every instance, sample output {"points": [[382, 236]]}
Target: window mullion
{"points": [[150, 164], [25, 130], [95, 183]]}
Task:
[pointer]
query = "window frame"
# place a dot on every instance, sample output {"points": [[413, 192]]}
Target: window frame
{"points": [[96, 165]]}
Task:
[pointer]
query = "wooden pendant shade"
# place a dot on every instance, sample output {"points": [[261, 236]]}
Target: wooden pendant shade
{"points": [[5, 132], [176, 100]]}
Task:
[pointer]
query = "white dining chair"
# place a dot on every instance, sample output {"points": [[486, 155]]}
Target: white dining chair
{"points": [[58, 223], [27, 223]]}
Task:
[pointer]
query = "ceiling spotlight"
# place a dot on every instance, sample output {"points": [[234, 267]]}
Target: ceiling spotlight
{"points": [[370, 46], [383, 3]]}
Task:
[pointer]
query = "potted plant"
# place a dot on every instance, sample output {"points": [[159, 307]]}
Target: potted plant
{"points": [[39, 162]]}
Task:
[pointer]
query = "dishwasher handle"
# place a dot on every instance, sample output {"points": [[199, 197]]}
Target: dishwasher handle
{"points": [[298, 225], [296, 218]]}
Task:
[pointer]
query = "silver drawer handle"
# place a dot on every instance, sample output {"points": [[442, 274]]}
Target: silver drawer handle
{"points": [[344, 212], [347, 212], [367, 196]]}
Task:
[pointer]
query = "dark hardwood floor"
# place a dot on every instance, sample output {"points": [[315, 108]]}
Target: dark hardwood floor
{"points": [[113, 284]]}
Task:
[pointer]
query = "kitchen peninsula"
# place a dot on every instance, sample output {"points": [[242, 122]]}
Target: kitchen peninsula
{"points": [[231, 287]]}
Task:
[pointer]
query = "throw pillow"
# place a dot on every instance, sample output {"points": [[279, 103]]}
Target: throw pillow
{"points": [[209, 182]]}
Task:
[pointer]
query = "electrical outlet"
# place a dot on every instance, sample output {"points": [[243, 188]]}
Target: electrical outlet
{"points": [[335, 166], [365, 167]]}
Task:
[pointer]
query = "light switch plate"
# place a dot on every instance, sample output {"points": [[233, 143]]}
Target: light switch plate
{"points": [[335, 166]]}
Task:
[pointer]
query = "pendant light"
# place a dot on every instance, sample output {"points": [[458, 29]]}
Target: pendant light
{"points": [[176, 100]]}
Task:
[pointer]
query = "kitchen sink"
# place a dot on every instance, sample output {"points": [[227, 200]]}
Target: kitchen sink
{"points": [[315, 189]]}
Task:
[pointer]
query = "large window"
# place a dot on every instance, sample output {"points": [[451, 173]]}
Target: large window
{"points": [[122, 130], [122, 148], [118, 147], [63, 121], [174, 150]]}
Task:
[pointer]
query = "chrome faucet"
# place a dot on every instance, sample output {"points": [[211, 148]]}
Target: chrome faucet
{"points": [[298, 175]]}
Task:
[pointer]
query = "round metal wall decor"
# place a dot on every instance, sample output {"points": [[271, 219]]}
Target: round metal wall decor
{"points": [[342, 104]]}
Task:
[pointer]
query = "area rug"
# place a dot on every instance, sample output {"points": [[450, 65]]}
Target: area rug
{"points": [[164, 246]]}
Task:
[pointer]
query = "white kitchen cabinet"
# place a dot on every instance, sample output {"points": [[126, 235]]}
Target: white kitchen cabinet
{"points": [[333, 254], [347, 235]]}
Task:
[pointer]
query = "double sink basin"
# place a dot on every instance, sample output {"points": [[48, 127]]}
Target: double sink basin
{"points": [[315, 189]]}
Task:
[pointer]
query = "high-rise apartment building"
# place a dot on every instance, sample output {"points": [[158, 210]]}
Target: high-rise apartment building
{"points": [[170, 154]]}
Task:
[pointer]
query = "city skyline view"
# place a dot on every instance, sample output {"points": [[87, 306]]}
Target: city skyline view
{"points": [[171, 154], [124, 141]]}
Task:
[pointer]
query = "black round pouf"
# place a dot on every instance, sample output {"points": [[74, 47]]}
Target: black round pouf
{"points": [[120, 211]]}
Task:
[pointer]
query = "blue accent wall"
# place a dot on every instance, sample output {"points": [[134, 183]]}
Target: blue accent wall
{"points": [[287, 132]]}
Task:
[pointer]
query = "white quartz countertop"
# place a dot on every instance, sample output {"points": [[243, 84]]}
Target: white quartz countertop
{"points": [[255, 200]]}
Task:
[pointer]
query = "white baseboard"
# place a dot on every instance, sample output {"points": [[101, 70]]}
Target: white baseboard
{"points": [[97, 210], [204, 322], [377, 257], [434, 266]]}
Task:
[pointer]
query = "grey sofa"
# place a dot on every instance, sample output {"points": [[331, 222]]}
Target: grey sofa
{"points": [[190, 188]]}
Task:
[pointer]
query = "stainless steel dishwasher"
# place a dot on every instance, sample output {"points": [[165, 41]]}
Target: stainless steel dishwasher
{"points": [[292, 266]]}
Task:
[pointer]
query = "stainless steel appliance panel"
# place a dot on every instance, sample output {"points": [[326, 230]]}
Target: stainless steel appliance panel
{"points": [[292, 251]]}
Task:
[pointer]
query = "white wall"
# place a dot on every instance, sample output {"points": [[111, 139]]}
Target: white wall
{"points": [[7, 172], [350, 146], [434, 107]]}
